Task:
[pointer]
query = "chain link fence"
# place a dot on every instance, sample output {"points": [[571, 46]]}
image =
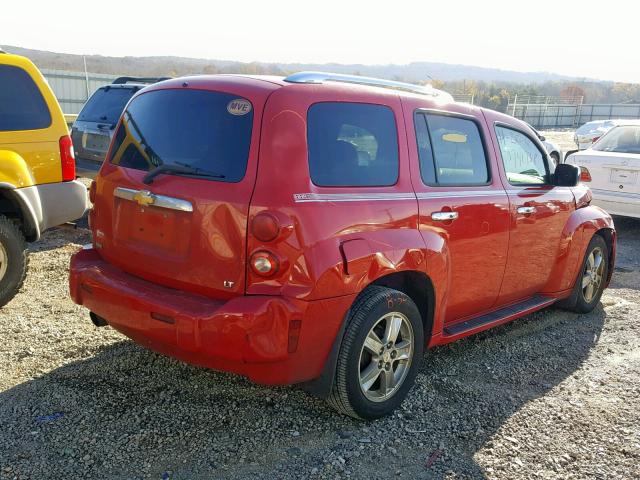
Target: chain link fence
{"points": [[567, 112], [72, 89]]}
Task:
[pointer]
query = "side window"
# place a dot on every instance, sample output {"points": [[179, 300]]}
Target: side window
{"points": [[22, 106], [523, 161], [352, 144], [364, 141], [450, 150]]}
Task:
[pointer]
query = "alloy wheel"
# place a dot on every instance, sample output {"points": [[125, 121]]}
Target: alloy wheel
{"points": [[592, 275], [386, 356]]}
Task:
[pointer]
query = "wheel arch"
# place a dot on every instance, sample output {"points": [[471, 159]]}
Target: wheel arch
{"points": [[583, 224], [609, 236], [415, 284], [16, 207]]}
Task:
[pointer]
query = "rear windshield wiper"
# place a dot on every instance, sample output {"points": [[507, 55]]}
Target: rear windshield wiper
{"points": [[180, 169]]}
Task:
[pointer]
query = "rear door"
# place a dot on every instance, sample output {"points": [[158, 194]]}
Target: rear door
{"points": [[183, 231], [461, 201]]}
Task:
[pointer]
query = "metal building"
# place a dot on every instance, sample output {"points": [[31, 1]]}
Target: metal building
{"points": [[72, 89]]}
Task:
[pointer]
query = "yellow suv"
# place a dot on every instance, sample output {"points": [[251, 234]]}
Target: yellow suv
{"points": [[38, 186]]}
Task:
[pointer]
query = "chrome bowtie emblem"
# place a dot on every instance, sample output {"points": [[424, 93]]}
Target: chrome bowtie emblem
{"points": [[144, 198]]}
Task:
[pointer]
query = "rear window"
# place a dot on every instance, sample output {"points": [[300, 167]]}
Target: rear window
{"points": [[106, 105], [620, 140], [591, 127], [202, 129], [22, 106], [352, 144]]}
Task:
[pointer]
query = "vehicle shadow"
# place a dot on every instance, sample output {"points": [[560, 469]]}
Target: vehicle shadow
{"points": [[125, 412], [627, 271]]}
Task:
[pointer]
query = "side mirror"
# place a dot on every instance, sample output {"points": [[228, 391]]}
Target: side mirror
{"points": [[566, 175]]}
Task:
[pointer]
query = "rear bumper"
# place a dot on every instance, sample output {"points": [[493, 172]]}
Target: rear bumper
{"points": [[51, 204], [254, 336], [617, 202]]}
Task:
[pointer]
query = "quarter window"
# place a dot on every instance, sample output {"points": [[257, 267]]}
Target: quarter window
{"points": [[22, 106], [523, 162], [352, 144], [450, 150]]}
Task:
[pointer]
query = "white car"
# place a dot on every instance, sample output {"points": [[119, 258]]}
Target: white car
{"points": [[590, 132], [552, 149], [614, 165]]}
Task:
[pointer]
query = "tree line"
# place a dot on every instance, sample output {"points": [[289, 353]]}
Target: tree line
{"points": [[496, 95]]}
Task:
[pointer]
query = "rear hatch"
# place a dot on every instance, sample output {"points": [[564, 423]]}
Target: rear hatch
{"points": [[614, 161], [611, 172], [92, 131], [183, 230]]}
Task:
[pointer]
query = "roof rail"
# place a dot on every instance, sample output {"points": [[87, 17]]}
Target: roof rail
{"points": [[123, 80], [321, 77]]}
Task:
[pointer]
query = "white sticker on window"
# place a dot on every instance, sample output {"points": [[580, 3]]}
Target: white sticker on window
{"points": [[239, 106]]}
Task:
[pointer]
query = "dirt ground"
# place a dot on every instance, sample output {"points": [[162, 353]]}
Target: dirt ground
{"points": [[552, 395]]}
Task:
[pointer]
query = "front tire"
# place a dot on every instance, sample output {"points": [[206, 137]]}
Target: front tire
{"points": [[591, 278], [379, 355], [13, 260]]}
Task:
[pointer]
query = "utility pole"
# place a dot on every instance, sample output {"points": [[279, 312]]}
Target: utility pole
{"points": [[86, 76]]}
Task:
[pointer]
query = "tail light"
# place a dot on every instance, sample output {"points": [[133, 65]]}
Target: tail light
{"points": [[67, 159], [269, 262], [585, 176], [595, 139], [264, 263], [265, 227]]}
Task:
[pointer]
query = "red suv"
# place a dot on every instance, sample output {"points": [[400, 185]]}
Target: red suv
{"points": [[324, 229]]}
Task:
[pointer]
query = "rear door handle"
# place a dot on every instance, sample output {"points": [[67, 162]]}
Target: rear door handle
{"points": [[443, 216], [526, 210]]}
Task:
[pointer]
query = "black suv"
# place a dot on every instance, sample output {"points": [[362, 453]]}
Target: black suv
{"points": [[92, 131]]}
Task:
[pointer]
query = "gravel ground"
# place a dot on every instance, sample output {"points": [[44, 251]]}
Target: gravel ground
{"points": [[552, 395]]}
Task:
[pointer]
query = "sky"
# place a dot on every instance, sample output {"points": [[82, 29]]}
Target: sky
{"points": [[577, 38]]}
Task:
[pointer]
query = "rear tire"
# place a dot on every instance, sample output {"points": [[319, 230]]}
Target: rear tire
{"points": [[591, 278], [379, 356], [13, 260]]}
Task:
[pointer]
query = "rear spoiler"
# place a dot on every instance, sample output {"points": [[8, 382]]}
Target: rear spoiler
{"points": [[123, 80]]}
